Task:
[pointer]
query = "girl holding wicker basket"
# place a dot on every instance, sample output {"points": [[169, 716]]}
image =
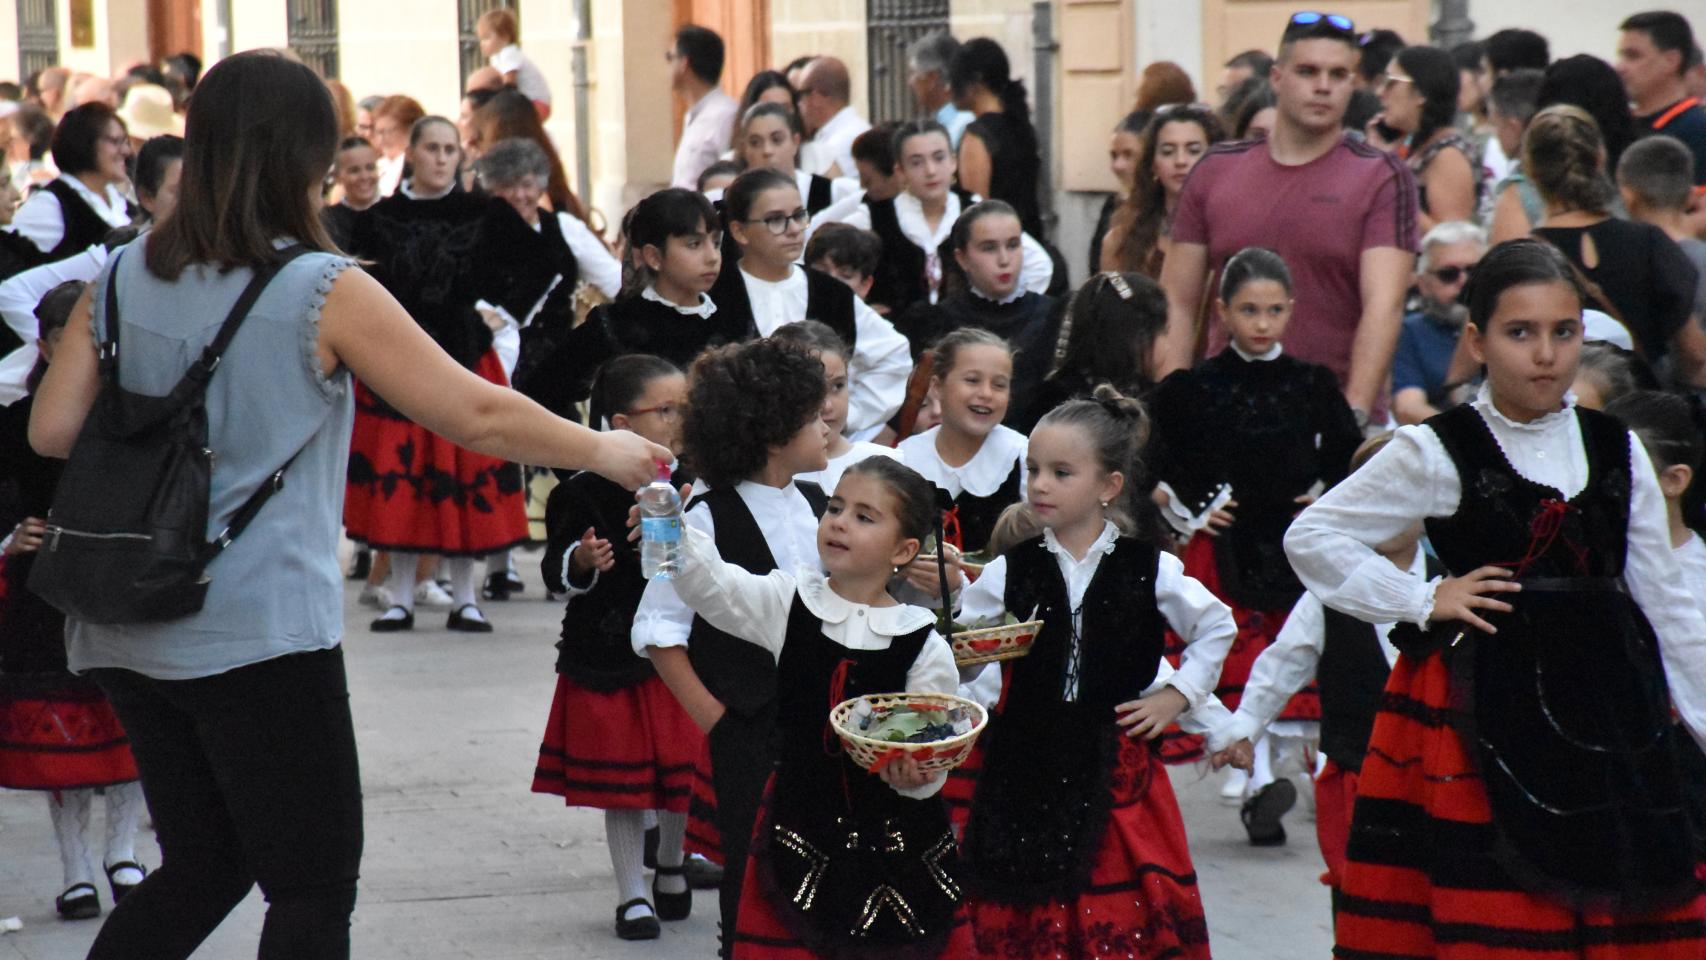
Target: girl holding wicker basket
{"points": [[1074, 829], [842, 863]]}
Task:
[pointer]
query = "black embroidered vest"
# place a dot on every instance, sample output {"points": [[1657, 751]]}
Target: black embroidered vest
{"points": [[851, 867], [976, 515], [1565, 710]]}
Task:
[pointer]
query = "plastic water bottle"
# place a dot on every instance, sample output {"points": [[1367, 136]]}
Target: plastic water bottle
{"points": [[660, 528]]}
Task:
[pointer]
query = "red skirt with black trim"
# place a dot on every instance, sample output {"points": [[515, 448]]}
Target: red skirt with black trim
{"points": [[1405, 894], [413, 491], [630, 749], [1142, 898], [1256, 630], [64, 739]]}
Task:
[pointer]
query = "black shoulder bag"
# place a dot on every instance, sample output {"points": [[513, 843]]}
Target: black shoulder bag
{"points": [[127, 534]]}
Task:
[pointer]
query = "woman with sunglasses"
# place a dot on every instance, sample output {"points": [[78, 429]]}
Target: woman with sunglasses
{"points": [[766, 288], [1419, 97], [1175, 140]]}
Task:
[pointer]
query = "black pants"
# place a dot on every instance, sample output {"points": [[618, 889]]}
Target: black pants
{"points": [[742, 757], [251, 777]]}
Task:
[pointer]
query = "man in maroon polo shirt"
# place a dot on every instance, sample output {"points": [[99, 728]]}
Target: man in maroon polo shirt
{"points": [[1341, 213]]}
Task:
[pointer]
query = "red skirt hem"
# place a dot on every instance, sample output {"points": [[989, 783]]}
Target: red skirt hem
{"points": [[48, 744], [1141, 900], [1394, 902], [630, 749], [410, 490]]}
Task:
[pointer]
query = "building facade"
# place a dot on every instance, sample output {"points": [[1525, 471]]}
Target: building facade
{"points": [[614, 116]]}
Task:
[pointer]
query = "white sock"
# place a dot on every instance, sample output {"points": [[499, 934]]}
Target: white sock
{"points": [[401, 583], [672, 832], [625, 834], [461, 582], [651, 819], [500, 562], [124, 809], [1262, 771], [70, 812]]}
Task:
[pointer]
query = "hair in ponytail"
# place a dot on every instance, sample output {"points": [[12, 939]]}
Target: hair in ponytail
{"points": [[1118, 428], [1563, 152], [981, 60]]}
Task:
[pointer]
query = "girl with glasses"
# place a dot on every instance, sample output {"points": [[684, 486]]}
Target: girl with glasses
{"points": [[616, 739], [767, 288]]}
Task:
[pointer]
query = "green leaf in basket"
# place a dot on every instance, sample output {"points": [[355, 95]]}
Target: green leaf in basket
{"points": [[897, 725]]}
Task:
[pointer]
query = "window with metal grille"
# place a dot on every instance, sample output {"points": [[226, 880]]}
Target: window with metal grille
{"points": [[38, 36], [467, 14], [313, 34], [891, 26]]}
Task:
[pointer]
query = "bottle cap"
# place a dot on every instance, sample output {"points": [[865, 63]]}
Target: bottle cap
{"points": [[663, 470]]}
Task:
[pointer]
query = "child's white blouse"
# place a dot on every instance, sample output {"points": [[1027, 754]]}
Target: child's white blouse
{"points": [[1331, 543], [980, 476], [1189, 608]]}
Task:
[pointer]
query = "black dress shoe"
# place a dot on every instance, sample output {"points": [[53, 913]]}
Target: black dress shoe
{"points": [[639, 928], [672, 906], [390, 624], [1261, 813], [496, 586], [474, 624], [120, 889], [702, 874], [78, 902]]}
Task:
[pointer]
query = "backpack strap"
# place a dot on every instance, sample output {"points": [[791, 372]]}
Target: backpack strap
{"points": [[246, 513], [195, 379]]}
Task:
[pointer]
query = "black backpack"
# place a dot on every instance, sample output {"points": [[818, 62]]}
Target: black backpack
{"points": [[126, 536]]}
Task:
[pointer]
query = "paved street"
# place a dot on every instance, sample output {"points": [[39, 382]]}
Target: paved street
{"points": [[463, 861]]}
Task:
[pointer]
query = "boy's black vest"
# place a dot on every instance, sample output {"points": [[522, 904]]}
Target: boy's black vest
{"points": [[820, 195], [828, 301], [1352, 676], [900, 281], [740, 674]]}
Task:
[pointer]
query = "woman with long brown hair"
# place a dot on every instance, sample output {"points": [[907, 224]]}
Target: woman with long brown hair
{"points": [[238, 714], [1176, 139]]}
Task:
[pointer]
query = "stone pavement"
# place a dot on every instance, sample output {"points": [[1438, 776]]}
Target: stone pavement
{"points": [[462, 861]]}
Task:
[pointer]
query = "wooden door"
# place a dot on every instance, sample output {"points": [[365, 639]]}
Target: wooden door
{"points": [[744, 26], [174, 27], [1097, 86]]}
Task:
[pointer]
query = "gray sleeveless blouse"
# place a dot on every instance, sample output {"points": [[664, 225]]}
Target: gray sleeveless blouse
{"points": [[277, 589]]}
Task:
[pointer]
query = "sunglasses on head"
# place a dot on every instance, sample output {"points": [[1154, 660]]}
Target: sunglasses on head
{"points": [[1309, 18], [1450, 275]]}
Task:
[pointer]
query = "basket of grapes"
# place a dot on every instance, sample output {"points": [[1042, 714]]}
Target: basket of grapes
{"points": [[936, 730], [989, 644]]}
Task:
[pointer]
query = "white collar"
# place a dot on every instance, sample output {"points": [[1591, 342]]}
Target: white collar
{"points": [[753, 490], [703, 309], [1018, 291], [909, 213], [1556, 420], [407, 189], [993, 463], [832, 607], [1104, 543], [795, 277], [1271, 353]]}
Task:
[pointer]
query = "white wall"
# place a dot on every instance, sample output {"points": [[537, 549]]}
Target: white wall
{"points": [[121, 36]]}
